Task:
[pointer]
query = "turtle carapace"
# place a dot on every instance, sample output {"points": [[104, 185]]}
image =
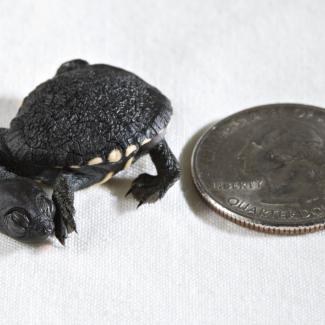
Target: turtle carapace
{"points": [[82, 127]]}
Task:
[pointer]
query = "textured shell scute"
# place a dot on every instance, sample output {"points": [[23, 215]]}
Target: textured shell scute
{"points": [[86, 113]]}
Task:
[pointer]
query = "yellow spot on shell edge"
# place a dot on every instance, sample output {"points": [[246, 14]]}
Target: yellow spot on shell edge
{"points": [[145, 141], [106, 178], [129, 163], [114, 156], [95, 161], [131, 148], [75, 166]]}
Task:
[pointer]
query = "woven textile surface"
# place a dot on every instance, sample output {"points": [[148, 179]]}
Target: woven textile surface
{"points": [[173, 262]]}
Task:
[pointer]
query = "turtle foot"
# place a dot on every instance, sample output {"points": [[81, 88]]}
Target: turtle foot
{"points": [[148, 188]]}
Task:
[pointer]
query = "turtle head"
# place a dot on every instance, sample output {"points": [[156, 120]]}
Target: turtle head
{"points": [[26, 213]]}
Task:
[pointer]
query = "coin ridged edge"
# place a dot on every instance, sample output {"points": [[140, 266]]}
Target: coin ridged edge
{"points": [[274, 230]]}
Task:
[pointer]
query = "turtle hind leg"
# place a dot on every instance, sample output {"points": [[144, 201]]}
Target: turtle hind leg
{"points": [[72, 65], [63, 197], [148, 188]]}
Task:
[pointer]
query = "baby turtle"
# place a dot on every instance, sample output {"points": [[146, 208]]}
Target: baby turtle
{"points": [[82, 127]]}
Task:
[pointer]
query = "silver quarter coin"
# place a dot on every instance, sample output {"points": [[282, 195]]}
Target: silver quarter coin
{"points": [[264, 168]]}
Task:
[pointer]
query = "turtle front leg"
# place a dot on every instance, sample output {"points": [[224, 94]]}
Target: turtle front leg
{"points": [[148, 188], [63, 197]]}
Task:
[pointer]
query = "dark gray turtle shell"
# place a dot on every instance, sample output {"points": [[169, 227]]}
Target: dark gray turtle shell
{"points": [[85, 113]]}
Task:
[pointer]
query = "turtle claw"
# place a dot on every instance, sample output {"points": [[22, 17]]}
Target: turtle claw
{"points": [[71, 225], [61, 232], [128, 192], [139, 205], [63, 228], [148, 188], [67, 218], [62, 240]]}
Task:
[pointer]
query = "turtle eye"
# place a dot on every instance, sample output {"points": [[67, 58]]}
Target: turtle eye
{"points": [[17, 222]]}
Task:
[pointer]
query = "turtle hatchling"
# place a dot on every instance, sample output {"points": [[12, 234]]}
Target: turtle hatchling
{"points": [[77, 129]]}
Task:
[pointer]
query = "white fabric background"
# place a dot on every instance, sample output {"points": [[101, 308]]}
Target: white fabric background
{"points": [[174, 262]]}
